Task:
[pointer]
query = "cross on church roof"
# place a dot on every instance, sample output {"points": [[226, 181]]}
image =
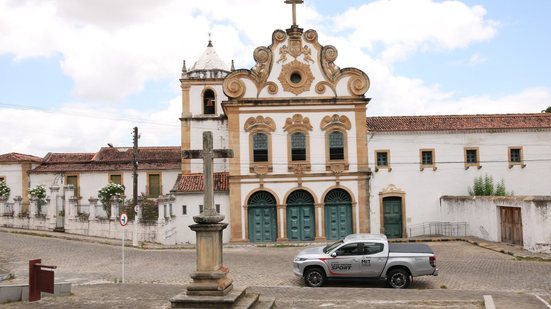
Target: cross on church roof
{"points": [[294, 3]]}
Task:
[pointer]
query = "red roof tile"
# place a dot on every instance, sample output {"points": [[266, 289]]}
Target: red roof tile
{"points": [[19, 157], [194, 182], [112, 159], [458, 122]]}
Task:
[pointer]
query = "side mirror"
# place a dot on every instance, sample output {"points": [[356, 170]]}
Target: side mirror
{"points": [[333, 254]]}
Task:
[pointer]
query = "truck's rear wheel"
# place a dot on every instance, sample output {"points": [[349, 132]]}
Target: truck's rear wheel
{"points": [[314, 277], [398, 279]]}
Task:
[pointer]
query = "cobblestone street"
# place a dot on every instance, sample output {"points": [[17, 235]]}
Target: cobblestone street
{"points": [[462, 266]]}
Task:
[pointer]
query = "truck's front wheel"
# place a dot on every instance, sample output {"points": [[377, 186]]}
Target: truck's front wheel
{"points": [[314, 277], [398, 279]]}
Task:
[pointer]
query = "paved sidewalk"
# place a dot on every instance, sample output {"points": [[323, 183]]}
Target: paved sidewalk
{"points": [[135, 296]]}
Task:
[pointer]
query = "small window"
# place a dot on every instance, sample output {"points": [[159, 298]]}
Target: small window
{"points": [[516, 157], [217, 208], [200, 209], [350, 249], [336, 146], [472, 157], [72, 180], [427, 159], [260, 147], [298, 147], [154, 185], [115, 178], [372, 248], [383, 158], [209, 102], [184, 210]]}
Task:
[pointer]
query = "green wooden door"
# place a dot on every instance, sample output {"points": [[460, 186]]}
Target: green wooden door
{"points": [[392, 216], [338, 214], [262, 217], [300, 216]]}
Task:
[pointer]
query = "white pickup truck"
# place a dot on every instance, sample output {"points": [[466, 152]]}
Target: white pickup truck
{"points": [[365, 256]]}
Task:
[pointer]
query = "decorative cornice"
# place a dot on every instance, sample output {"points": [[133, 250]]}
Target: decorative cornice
{"points": [[260, 123], [335, 121], [297, 122]]}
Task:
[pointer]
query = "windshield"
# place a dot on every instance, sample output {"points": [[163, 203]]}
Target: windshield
{"points": [[332, 246]]}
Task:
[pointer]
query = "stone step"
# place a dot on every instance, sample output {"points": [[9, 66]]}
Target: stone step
{"points": [[246, 301], [265, 302]]}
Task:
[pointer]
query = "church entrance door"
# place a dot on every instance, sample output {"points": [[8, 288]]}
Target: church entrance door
{"points": [[300, 216], [392, 216], [338, 214], [262, 217]]}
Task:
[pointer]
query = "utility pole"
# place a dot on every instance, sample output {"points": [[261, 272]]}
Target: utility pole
{"points": [[135, 168]]}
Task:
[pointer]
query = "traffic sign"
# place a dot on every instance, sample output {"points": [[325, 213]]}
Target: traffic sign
{"points": [[123, 220]]}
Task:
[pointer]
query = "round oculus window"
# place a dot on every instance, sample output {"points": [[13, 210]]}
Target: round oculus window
{"points": [[296, 78]]}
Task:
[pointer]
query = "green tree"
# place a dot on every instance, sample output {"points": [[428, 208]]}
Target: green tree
{"points": [[548, 110], [4, 189], [106, 193], [39, 193]]}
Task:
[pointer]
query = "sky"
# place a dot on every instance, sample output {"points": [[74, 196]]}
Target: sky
{"points": [[76, 75]]}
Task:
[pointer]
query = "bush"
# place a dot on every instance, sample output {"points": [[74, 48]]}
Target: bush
{"points": [[484, 186], [106, 193], [4, 189], [39, 193]]}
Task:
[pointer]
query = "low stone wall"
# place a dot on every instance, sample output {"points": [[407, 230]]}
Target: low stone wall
{"points": [[484, 221]]}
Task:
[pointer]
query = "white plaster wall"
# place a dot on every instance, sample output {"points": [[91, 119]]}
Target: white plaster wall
{"points": [[424, 188], [91, 183], [279, 147], [184, 234], [220, 140], [12, 173], [483, 218]]}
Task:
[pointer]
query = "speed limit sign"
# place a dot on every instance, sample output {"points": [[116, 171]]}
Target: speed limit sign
{"points": [[123, 220]]}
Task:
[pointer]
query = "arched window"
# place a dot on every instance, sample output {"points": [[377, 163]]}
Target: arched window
{"points": [[209, 102], [336, 146], [298, 147], [260, 147]]}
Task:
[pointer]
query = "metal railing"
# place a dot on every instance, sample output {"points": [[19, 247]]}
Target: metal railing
{"points": [[436, 228]]}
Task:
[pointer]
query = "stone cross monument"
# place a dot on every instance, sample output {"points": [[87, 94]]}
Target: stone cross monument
{"points": [[211, 286]]}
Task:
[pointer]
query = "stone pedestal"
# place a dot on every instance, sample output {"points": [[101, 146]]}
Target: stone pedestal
{"points": [[211, 286]]}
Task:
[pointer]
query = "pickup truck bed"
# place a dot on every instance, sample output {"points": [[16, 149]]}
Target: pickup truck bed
{"points": [[409, 248]]}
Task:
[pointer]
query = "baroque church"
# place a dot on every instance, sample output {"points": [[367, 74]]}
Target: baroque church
{"points": [[296, 125], [299, 132], [308, 163]]}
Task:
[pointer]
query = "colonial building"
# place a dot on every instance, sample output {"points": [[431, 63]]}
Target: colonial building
{"points": [[418, 159], [14, 168], [158, 168], [296, 124]]}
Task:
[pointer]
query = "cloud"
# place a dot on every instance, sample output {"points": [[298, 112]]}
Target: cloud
{"points": [[476, 59], [81, 128], [403, 27], [111, 49]]}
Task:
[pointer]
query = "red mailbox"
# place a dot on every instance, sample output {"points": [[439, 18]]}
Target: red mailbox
{"points": [[40, 280]]}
